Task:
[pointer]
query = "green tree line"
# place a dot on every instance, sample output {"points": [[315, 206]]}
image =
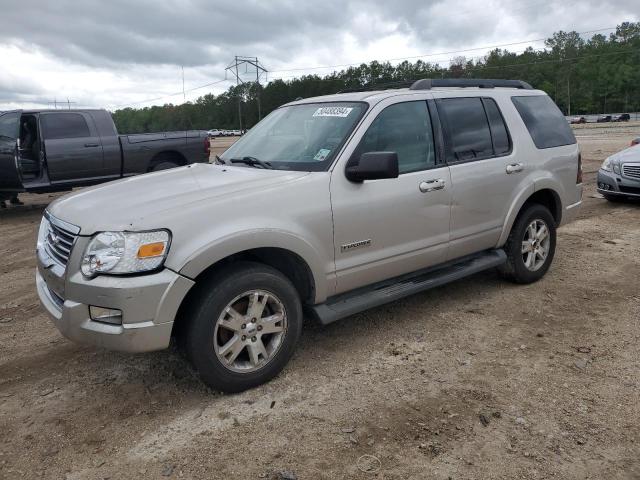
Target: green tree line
{"points": [[600, 74]]}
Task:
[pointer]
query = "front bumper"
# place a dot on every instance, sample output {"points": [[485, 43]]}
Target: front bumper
{"points": [[149, 304], [614, 184]]}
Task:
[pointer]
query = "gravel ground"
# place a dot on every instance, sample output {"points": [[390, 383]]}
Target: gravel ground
{"points": [[477, 379]]}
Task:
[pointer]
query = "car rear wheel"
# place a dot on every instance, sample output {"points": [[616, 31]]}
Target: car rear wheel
{"points": [[164, 165], [244, 327], [531, 245]]}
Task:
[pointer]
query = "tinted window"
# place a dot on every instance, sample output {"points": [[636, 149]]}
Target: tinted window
{"points": [[9, 125], [64, 125], [501, 141], [404, 128], [467, 131], [545, 122]]}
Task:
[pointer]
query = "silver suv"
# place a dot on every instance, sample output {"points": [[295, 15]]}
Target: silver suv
{"points": [[329, 206]]}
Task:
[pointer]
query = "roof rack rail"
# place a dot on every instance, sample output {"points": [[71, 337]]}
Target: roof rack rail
{"points": [[429, 83], [379, 86]]}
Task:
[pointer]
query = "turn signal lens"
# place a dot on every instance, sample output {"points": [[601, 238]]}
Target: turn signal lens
{"points": [[151, 250]]}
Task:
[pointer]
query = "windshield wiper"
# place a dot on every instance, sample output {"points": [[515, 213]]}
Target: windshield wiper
{"points": [[220, 161], [253, 161]]}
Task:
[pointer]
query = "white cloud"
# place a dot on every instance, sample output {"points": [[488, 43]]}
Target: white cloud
{"points": [[123, 52]]}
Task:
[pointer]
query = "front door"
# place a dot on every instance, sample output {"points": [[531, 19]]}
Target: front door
{"points": [[385, 228], [10, 180], [72, 146]]}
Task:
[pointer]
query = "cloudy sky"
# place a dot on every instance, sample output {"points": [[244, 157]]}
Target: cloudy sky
{"points": [[132, 53]]}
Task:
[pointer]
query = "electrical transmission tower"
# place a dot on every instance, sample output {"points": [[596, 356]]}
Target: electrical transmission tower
{"points": [[249, 64]]}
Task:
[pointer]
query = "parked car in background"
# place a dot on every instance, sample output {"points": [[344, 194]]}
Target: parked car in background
{"points": [[577, 120], [330, 205], [623, 117], [53, 150], [604, 119], [619, 175], [635, 141], [214, 133]]}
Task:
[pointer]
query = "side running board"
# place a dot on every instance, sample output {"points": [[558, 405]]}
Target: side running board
{"points": [[350, 303]]}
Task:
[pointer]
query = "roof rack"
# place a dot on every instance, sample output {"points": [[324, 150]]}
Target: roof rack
{"points": [[429, 83]]}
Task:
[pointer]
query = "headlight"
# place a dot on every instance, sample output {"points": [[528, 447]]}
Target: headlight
{"points": [[42, 233], [616, 168], [120, 253], [606, 165]]}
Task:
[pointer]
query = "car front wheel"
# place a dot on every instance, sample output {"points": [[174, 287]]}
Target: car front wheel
{"points": [[244, 326]]}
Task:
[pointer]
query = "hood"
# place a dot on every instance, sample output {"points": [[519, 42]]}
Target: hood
{"points": [[631, 154], [134, 203]]}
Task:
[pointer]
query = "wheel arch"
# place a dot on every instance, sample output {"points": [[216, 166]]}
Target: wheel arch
{"points": [[289, 263], [167, 156], [546, 196]]}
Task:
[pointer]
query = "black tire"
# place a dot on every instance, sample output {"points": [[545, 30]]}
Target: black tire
{"points": [[164, 165], [515, 269], [198, 335]]}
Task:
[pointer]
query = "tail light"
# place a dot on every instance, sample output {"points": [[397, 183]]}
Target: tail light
{"points": [[207, 146], [579, 177]]}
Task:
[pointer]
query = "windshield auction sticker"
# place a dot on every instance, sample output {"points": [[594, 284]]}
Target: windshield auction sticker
{"points": [[322, 154], [332, 112]]}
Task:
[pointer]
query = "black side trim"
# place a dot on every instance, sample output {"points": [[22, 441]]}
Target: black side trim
{"points": [[350, 303]]}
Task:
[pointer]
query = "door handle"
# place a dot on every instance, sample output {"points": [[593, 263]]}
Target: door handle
{"points": [[515, 167], [89, 145], [431, 185]]}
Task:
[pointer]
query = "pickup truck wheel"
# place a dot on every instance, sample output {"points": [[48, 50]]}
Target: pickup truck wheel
{"points": [[531, 245], [164, 165], [244, 327]]}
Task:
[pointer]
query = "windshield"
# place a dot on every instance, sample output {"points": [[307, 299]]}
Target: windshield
{"points": [[299, 137]]}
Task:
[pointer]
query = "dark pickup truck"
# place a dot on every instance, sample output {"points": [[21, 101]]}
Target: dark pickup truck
{"points": [[53, 150]]}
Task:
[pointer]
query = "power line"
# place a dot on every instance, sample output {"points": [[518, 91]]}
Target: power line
{"points": [[182, 92], [486, 47]]}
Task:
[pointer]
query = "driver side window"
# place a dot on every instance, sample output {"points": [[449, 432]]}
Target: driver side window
{"points": [[404, 128]]}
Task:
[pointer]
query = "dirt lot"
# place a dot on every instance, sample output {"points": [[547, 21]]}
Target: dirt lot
{"points": [[478, 379]]}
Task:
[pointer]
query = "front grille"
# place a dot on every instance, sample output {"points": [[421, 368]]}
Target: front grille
{"points": [[631, 170], [58, 241]]}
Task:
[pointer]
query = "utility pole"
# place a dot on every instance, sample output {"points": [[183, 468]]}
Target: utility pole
{"points": [[569, 92], [233, 67]]}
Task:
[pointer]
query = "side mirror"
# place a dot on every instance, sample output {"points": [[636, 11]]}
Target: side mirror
{"points": [[373, 166]]}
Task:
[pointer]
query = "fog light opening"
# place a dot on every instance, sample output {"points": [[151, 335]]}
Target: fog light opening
{"points": [[105, 315]]}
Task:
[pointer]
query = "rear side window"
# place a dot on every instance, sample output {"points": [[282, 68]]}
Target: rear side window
{"points": [[544, 120], [499, 133], [467, 129], [64, 125]]}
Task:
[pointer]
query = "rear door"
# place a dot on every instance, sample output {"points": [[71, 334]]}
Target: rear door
{"points": [[485, 171], [72, 146], [9, 130]]}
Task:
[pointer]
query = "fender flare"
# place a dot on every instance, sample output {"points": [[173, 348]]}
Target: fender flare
{"points": [[521, 199], [243, 241]]}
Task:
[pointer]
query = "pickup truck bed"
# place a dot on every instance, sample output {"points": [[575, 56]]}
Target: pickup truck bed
{"points": [[53, 150]]}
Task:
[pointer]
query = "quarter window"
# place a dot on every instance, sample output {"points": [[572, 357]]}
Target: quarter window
{"points": [[64, 125], [544, 120], [404, 128], [467, 129]]}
